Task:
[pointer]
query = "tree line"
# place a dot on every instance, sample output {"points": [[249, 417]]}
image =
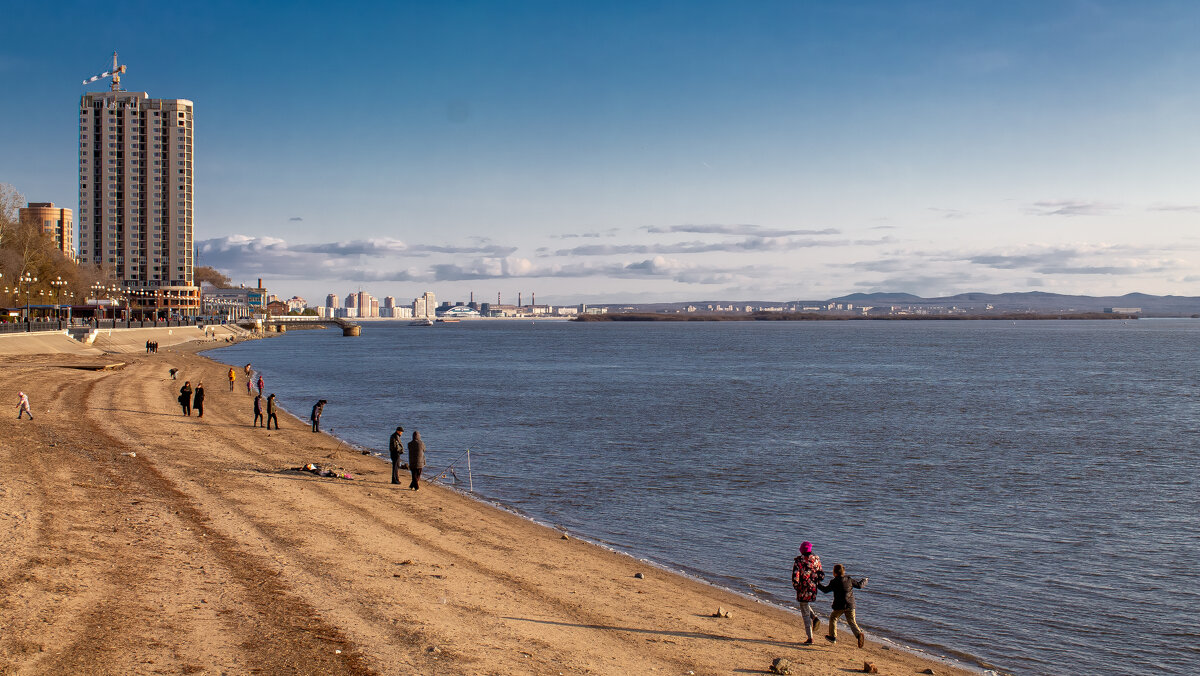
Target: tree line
{"points": [[26, 251]]}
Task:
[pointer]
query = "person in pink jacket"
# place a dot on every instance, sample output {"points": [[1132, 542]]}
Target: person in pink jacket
{"points": [[23, 406], [806, 573]]}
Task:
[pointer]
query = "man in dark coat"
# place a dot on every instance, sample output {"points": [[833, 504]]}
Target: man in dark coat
{"points": [[315, 417], [198, 399], [258, 411], [185, 397], [396, 448], [272, 411], [416, 459]]}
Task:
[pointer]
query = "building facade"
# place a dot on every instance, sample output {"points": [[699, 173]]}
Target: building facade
{"points": [[135, 196], [56, 223], [424, 307]]}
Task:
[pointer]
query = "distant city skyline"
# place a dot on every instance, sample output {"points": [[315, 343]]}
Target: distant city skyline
{"points": [[638, 152]]}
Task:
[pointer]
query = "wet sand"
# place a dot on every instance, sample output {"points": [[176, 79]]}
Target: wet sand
{"points": [[140, 541]]}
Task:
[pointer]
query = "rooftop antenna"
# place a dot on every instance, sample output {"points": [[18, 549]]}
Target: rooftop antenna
{"points": [[115, 74]]}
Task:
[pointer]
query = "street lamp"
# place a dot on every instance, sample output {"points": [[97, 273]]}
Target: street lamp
{"points": [[58, 283], [26, 279]]}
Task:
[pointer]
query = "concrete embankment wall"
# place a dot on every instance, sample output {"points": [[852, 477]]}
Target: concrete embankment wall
{"points": [[43, 343], [111, 341]]}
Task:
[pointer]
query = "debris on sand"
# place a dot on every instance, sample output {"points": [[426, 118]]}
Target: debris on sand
{"points": [[331, 471]]}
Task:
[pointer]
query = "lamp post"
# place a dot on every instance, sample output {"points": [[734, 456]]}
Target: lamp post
{"points": [[26, 279], [58, 283]]}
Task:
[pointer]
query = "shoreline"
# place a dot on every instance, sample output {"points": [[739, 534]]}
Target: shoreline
{"points": [[972, 665], [131, 526]]}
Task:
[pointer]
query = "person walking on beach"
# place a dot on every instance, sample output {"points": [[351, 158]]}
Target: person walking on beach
{"points": [[260, 383], [185, 397], [23, 407], [416, 459], [396, 449], [806, 573], [843, 586], [315, 416], [232, 377], [272, 411], [198, 399], [258, 411]]}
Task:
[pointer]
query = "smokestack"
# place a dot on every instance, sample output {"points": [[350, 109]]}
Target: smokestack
{"points": [[472, 296], [260, 282], [518, 299], [533, 299]]}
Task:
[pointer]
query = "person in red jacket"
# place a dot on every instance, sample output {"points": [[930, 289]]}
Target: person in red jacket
{"points": [[806, 573]]}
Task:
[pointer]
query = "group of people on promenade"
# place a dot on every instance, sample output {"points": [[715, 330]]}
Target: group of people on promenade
{"points": [[151, 347], [807, 576]]}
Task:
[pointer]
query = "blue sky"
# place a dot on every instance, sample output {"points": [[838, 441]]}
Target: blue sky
{"points": [[610, 152]]}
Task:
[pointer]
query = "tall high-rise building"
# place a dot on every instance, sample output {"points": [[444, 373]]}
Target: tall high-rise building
{"points": [[425, 306], [135, 197], [56, 223], [332, 301]]}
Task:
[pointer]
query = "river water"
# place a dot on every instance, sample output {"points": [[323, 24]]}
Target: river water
{"points": [[1024, 496]]}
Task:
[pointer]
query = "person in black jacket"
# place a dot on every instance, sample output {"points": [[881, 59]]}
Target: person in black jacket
{"points": [[843, 587], [258, 411], [198, 399], [185, 397], [396, 449], [416, 459], [315, 417], [272, 412]]}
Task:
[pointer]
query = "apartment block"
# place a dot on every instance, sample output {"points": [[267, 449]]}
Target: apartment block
{"points": [[135, 197], [56, 223]]}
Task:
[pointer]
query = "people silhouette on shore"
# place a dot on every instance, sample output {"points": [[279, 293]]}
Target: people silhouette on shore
{"points": [[416, 459], [258, 411], [396, 450], [806, 573], [198, 399], [272, 411], [843, 587], [315, 416], [185, 397]]}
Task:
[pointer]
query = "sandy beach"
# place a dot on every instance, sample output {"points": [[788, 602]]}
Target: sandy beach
{"points": [[140, 541]]}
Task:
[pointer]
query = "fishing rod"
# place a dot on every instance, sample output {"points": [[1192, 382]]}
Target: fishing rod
{"points": [[449, 469]]}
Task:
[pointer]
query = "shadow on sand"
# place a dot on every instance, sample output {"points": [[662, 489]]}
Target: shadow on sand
{"points": [[665, 632]]}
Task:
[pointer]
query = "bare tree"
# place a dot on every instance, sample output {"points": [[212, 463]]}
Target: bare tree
{"points": [[205, 273], [10, 203]]}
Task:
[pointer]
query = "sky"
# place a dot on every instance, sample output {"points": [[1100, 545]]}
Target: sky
{"points": [[615, 152]]}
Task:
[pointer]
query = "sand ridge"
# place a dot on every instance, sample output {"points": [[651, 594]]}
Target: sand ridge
{"points": [[138, 540]]}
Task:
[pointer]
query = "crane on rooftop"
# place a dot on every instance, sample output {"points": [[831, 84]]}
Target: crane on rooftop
{"points": [[115, 73]]}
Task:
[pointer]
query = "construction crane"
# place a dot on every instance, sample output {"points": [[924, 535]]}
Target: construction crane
{"points": [[115, 73]]}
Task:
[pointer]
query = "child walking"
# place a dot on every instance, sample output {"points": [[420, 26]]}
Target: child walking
{"points": [[23, 406], [843, 586]]}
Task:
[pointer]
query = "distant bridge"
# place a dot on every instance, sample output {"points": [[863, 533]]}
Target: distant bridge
{"points": [[281, 322]]}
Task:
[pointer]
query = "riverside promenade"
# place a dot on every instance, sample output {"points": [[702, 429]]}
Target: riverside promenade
{"points": [[141, 541]]}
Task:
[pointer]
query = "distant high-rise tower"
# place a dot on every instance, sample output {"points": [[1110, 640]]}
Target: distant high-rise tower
{"points": [[135, 196]]}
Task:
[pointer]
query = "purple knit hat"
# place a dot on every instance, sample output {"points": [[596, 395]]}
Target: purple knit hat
{"points": [[806, 547]]}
